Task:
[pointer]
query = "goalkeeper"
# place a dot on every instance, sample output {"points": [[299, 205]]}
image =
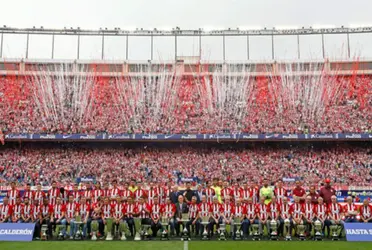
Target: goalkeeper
{"points": [[266, 192]]}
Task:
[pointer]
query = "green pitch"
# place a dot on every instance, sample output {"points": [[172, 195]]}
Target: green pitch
{"points": [[193, 245]]}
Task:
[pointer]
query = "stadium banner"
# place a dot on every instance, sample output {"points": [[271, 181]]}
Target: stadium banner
{"points": [[86, 179], [291, 179], [16, 231], [189, 137], [361, 194], [358, 231]]}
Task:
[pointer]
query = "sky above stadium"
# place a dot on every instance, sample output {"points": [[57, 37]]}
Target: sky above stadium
{"points": [[190, 14]]}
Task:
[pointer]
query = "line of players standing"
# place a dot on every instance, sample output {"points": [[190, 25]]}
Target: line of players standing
{"points": [[220, 202]]}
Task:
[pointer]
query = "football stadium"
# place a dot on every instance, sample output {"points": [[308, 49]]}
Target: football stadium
{"points": [[184, 138]]}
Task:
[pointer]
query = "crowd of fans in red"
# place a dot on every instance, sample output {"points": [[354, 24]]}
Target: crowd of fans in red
{"points": [[189, 114], [344, 164]]}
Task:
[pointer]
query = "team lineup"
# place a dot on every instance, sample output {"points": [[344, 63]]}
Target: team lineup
{"points": [[219, 211]]}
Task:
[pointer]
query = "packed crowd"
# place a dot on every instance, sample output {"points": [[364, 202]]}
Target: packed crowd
{"points": [[344, 164], [109, 110], [198, 211]]}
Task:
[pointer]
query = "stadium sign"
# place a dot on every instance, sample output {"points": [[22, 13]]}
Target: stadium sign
{"points": [[88, 137], [16, 231], [189, 137], [85, 179], [121, 136], [222, 136], [321, 136], [16, 136], [353, 136], [181, 137], [288, 179], [148, 137], [358, 231], [248, 136], [290, 136], [47, 136]]}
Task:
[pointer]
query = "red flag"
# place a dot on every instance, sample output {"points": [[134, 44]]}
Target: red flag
{"points": [[2, 138]]}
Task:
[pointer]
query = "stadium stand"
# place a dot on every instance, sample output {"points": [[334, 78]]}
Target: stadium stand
{"points": [[23, 112], [231, 181], [344, 164]]}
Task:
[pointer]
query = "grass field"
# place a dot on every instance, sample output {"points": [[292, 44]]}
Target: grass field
{"points": [[193, 245]]}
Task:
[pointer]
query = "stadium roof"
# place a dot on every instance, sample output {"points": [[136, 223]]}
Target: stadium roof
{"points": [[181, 32], [242, 32]]}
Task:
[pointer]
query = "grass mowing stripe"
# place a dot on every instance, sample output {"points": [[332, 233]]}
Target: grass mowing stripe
{"points": [[55, 245], [193, 245], [271, 245]]}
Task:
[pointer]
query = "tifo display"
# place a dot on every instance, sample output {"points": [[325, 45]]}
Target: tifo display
{"points": [[291, 101]]}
